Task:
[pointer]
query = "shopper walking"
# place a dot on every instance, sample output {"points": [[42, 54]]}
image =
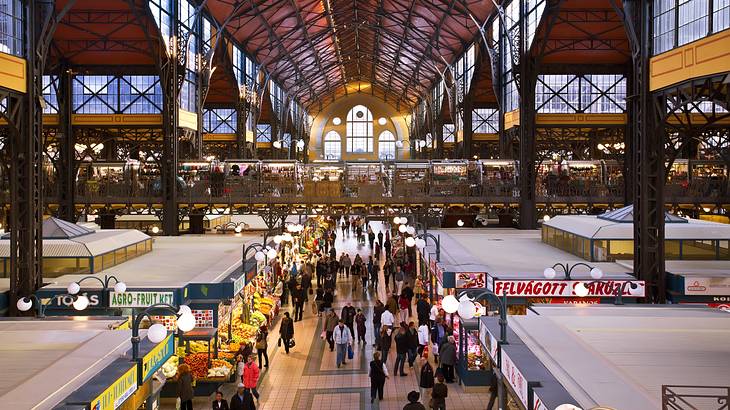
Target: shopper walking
{"points": [[422, 338], [329, 327], [319, 300], [345, 264], [286, 331], [380, 237], [348, 316], [439, 394], [408, 293], [412, 333], [386, 342], [399, 278], [447, 355], [371, 237], [422, 309], [378, 373], [262, 344], [393, 304], [298, 299], [401, 350], [374, 269], [251, 374], [387, 319], [425, 384], [343, 341], [387, 271], [403, 308], [377, 314], [185, 379], [360, 324], [413, 403]]}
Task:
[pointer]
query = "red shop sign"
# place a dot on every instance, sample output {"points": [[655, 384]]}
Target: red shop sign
{"points": [[564, 288]]}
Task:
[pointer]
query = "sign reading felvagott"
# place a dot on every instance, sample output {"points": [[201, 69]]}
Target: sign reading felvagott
{"points": [[134, 299]]}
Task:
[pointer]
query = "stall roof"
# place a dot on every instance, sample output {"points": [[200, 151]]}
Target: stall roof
{"points": [[620, 356], [84, 246], [593, 227], [707, 269], [44, 361], [503, 253], [175, 262], [626, 215]]}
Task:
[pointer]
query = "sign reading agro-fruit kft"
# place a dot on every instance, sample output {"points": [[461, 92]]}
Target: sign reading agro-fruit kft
{"points": [[139, 299]]}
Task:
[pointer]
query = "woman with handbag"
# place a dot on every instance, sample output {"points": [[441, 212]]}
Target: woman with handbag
{"points": [[378, 373], [185, 381], [262, 344]]}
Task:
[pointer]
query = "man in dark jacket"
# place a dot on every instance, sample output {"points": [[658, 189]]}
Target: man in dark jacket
{"points": [[377, 313], [321, 270], [439, 393], [286, 331], [423, 309], [298, 300], [412, 343], [242, 399], [413, 403], [348, 316], [220, 403], [401, 349]]}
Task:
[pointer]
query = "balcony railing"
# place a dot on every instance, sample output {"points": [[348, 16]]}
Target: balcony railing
{"points": [[695, 397]]}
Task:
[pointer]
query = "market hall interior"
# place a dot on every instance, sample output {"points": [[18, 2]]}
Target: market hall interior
{"points": [[549, 177]]}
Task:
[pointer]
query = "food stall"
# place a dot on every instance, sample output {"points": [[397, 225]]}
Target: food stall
{"points": [[585, 177], [242, 178], [323, 179], [449, 178], [199, 179], [280, 178], [410, 179], [499, 177], [103, 179], [365, 179]]}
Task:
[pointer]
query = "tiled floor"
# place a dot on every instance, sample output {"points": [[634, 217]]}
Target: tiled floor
{"points": [[308, 377]]}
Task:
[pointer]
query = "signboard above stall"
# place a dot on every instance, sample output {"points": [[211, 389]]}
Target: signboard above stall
{"points": [[471, 280], [139, 299], [707, 286], [564, 288], [515, 378], [157, 357]]}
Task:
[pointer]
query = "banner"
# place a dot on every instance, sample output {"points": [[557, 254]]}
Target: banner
{"points": [[139, 299], [515, 378], [471, 280], [706, 286], [565, 288], [116, 394], [157, 357]]}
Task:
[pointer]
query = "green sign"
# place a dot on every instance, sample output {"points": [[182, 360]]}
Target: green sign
{"points": [[157, 357], [116, 394], [139, 299]]}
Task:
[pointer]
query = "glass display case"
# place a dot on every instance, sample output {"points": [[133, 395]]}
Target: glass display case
{"points": [[449, 178], [365, 179], [473, 361]]}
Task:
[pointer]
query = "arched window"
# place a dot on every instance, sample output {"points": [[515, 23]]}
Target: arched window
{"points": [[332, 146], [386, 145], [359, 130]]}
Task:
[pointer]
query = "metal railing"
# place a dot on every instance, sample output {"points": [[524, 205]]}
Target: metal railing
{"points": [[695, 397]]}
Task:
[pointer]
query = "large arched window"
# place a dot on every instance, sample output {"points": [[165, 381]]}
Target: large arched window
{"points": [[359, 130], [386, 145], [332, 146]]}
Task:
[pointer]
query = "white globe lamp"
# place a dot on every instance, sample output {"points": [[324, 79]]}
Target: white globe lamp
{"points": [[120, 287], [73, 288], [259, 256], [549, 273], [596, 273], [420, 243], [186, 322], [81, 302], [336, 121], [24, 304], [277, 239], [466, 309], [546, 218], [580, 290], [184, 309], [450, 304], [402, 229], [410, 242], [382, 121], [460, 223], [271, 253], [156, 333], [155, 230], [411, 230], [396, 220]]}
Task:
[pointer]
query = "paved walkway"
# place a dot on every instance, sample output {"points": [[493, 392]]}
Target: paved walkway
{"points": [[308, 377]]}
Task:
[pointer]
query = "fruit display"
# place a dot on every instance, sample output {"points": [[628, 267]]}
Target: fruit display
{"points": [[220, 368], [475, 361], [198, 347], [198, 363], [258, 319], [263, 304], [169, 369]]}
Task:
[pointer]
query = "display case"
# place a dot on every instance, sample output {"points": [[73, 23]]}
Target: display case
{"points": [[103, 179], [410, 179], [242, 178], [280, 178], [323, 179], [708, 178], [365, 179], [199, 180], [473, 361], [499, 177]]}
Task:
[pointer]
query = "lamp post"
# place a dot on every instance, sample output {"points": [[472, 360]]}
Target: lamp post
{"points": [[420, 242], [567, 269], [156, 333], [119, 287], [466, 309], [262, 252]]}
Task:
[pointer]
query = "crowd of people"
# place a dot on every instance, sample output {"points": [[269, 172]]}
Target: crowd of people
{"points": [[412, 337]]}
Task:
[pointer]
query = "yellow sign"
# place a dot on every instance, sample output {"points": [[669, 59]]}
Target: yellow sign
{"points": [[157, 357], [116, 394]]}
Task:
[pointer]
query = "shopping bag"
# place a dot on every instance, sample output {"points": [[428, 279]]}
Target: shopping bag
{"points": [[292, 343], [323, 335], [350, 353], [178, 404], [425, 352], [279, 342]]}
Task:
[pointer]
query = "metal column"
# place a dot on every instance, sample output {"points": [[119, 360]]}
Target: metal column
{"points": [[66, 166]]}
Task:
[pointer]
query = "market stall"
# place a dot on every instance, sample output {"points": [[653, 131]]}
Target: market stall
{"points": [[280, 178], [410, 179], [499, 177], [365, 180], [449, 178], [103, 179], [323, 179], [242, 178]]}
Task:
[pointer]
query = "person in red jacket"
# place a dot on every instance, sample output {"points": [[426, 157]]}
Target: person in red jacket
{"points": [[251, 376]]}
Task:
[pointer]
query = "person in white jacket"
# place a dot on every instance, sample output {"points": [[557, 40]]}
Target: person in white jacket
{"points": [[343, 339], [387, 319], [422, 338]]}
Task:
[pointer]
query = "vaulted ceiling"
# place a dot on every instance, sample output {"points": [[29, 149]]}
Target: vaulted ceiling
{"points": [[319, 50]]}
